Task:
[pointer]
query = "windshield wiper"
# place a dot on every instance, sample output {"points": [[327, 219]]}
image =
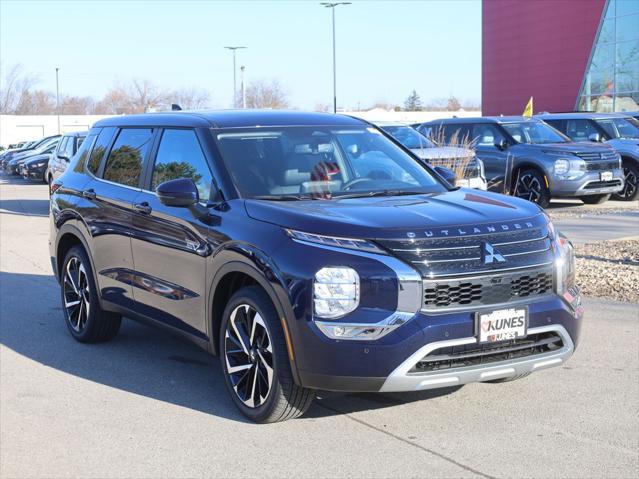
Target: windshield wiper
{"points": [[282, 197], [371, 194]]}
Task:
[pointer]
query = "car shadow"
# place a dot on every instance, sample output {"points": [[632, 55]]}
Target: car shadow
{"points": [[141, 359], [24, 207]]}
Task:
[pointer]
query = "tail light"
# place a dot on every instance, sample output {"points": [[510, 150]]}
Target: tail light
{"points": [[54, 187]]}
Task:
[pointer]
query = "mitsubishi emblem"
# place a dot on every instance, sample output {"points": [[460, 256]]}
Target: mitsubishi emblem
{"points": [[491, 255]]}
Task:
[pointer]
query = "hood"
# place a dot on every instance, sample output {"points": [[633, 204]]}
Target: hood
{"points": [[392, 217], [626, 144], [570, 147], [443, 153], [36, 158], [26, 156]]}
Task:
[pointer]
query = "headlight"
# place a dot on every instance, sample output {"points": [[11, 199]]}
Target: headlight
{"points": [[564, 265], [562, 166], [335, 292], [348, 243]]}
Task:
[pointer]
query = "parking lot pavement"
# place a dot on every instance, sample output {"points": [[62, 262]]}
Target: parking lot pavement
{"points": [[150, 405], [589, 229]]}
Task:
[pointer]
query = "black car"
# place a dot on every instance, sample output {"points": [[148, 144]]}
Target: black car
{"points": [[27, 149], [309, 251], [35, 167], [66, 148], [12, 167]]}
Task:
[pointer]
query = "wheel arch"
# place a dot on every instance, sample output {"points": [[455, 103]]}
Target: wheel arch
{"points": [[526, 165], [239, 271]]}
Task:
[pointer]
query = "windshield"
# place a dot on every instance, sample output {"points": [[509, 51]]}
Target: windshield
{"points": [[289, 163], [408, 137], [534, 133], [620, 127]]}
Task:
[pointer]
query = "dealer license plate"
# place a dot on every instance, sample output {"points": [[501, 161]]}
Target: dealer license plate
{"points": [[502, 325], [606, 176]]}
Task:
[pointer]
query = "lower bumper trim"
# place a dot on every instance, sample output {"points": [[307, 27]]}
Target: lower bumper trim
{"points": [[401, 380]]}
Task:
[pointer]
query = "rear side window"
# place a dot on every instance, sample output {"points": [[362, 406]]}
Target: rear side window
{"points": [[580, 130], [451, 134], [180, 156], [124, 163], [489, 135], [101, 145], [67, 147], [82, 154]]}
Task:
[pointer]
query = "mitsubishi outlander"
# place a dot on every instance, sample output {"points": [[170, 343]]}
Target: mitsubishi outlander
{"points": [[308, 251]]}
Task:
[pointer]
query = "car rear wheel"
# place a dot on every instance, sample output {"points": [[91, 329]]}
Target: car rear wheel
{"points": [[255, 362], [594, 199], [84, 317], [630, 190], [531, 186]]}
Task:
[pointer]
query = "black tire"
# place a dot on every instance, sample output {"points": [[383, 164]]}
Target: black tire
{"points": [[86, 320], [630, 190], [530, 185], [284, 399], [594, 199], [507, 380]]}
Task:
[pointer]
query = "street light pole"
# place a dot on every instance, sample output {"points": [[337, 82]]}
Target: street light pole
{"points": [[332, 6], [57, 97], [242, 68], [234, 49]]}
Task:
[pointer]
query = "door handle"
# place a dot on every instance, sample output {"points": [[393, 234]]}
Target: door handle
{"points": [[143, 208], [90, 194]]}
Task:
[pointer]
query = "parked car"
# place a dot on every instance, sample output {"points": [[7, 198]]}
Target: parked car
{"points": [[66, 148], [35, 167], [13, 166], [532, 160], [264, 237], [31, 149], [618, 130], [468, 168]]}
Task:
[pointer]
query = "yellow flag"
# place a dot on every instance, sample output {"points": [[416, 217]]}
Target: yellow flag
{"points": [[528, 111]]}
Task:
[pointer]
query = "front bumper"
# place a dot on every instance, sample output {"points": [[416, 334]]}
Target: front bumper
{"points": [[385, 367], [32, 172], [589, 184]]}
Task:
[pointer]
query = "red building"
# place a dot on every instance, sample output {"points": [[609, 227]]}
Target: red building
{"points": [[567, 54]]}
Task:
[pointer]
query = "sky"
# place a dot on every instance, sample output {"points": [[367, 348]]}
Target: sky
{"points": [[385, 48]]}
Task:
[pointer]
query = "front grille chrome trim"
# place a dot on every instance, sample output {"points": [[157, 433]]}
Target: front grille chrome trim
{"points": [[490, 272]]}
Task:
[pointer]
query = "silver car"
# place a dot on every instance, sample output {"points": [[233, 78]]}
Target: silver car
{"points": [[468, 169]]}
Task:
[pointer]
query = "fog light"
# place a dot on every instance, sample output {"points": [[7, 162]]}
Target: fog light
{"points": [[335, 292]]}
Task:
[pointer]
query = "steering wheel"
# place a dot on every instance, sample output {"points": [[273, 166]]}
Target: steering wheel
{"points": [[349, 184]]}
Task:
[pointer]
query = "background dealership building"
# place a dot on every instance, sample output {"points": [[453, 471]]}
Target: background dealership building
{"points": [[567, 54]]}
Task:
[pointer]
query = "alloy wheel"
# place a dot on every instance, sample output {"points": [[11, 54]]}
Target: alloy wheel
{"points": [[529, 188], [249, 355], [630, 184], [77, 302]]}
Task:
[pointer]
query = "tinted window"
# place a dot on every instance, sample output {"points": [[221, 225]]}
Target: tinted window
{"points": [[62, 145], [102, 143], [124, 164], [487, 135], [534, 133], [69, 146], [408, 137], [180, 156], [78, 142], [450, 134], [579, 130], [82, 155]]}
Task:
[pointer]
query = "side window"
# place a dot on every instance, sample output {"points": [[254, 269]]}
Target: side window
{"points": [[102, 143], [180, 156], [579, 130], [62, 146], [68, 146], [558, 125], [489, 135], [124, 164], [455, 134], [82, 154], [78, 143]]}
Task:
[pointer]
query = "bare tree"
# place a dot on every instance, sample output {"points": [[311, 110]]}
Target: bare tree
{"points": [[13, 86], [323, 107], [190, 98], [77, 105], [145, 96], [36, 102], [114, 102], [266, 94]]}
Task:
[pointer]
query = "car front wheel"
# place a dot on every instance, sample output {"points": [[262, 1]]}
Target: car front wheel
{"points": [[531, 186], [255, 361], [630, 190]]}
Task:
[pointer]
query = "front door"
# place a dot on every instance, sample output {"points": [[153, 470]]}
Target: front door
{"points": [[496, 160], [169, 243]]}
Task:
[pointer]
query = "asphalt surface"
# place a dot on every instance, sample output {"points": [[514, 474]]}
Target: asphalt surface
{"points": [[149, 405]]}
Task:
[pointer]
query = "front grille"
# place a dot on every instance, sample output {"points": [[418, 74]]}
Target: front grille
{"points": [[444, 359], [447, 294], [602, 165], [594, 156], [602, 184], [459, 255]]}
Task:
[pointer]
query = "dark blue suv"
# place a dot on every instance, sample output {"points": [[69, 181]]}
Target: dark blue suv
{"points": [[309, 251]]}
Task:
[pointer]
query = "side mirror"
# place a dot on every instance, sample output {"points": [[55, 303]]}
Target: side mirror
{"points": [[64, 157], [181, 192], [447, 174], [596, 137], [501, 144]]}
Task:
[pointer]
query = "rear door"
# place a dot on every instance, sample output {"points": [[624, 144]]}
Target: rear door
{"points": [[109, 197], [170, 243]]}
